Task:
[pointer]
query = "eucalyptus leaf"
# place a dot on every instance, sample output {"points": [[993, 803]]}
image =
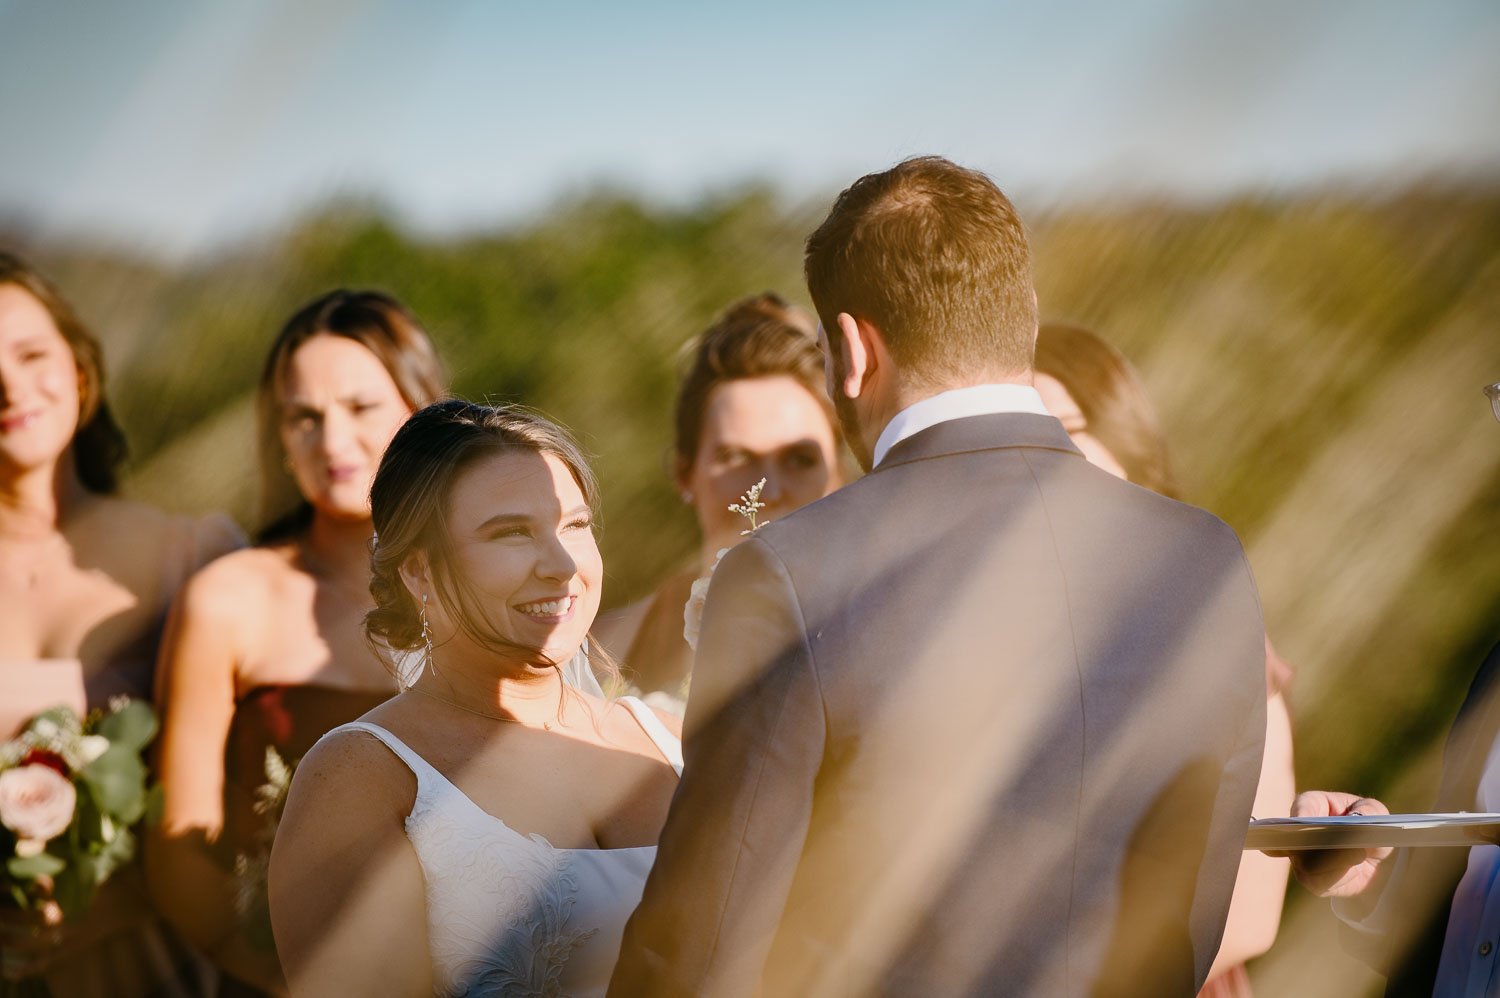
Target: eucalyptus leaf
{"points": [[73, 888], [115, 853], [88, 820], [132, 726], [118, 782], [30, 867], [155, 801]]}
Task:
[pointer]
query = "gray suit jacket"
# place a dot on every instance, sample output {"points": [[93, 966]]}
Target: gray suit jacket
{"points": [[987, 721]]}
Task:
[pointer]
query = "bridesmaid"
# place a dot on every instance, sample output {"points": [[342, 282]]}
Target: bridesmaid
{"points": [[265, 647], [85, 580], [1094, 391], [751, 405]]}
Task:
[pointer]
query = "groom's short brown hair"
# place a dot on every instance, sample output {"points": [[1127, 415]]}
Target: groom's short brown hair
{"points": [[935, 256]]}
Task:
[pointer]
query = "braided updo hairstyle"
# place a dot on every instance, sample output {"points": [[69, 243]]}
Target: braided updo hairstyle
{"points": [[408, 500]]}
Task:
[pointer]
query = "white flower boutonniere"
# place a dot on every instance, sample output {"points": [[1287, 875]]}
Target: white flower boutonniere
{"points": [[749, 507]]}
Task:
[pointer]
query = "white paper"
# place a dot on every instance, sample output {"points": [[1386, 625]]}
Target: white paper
{"points": [[1367, 831]]}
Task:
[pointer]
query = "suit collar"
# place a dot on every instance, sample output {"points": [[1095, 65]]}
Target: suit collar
{"points": [[975, 433], [957, 403]]}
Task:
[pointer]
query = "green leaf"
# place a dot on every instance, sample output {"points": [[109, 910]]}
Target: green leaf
{"points": [[64, 718], [155, 801], [132, 726], [88, 820], [118, 781], [30, 867], [73, 888]]}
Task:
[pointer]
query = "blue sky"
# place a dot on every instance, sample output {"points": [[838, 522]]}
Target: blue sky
{"points": [[175, 125]]}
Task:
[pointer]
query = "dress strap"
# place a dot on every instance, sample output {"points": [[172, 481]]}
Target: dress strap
{"points": [[669, 744], [421, 768]]}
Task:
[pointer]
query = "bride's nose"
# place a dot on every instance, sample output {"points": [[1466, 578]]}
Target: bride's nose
{"points": [[555, 561]]}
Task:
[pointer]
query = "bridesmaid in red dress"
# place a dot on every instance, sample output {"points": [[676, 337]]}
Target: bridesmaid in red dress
{"points": [[1093, 390], [265, 647], [85, 580]]}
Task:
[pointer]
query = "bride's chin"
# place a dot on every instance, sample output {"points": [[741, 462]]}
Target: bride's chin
{"points": [[561, 654]]}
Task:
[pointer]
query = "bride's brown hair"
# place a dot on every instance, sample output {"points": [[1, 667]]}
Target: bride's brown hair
{"points": [[409, 499]]}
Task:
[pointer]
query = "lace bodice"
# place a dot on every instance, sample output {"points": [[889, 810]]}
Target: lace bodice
{"points": [[508, 914]]}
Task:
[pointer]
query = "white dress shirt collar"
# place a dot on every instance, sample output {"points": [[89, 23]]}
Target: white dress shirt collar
{"points": [[959, 403]]}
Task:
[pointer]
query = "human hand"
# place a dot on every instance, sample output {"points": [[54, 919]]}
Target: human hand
{"points": [[29, 939], [1336, 872]]}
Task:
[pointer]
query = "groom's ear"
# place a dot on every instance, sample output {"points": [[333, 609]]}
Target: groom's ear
{"points": [[861, 354]]}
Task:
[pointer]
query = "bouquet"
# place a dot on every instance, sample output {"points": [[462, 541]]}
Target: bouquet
{"points": [[70, 789]]}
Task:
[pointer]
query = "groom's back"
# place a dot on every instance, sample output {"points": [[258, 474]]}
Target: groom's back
{"points": [[986, 721], [1033, 677]]}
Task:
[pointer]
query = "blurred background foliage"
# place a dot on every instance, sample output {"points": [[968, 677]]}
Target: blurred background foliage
{"points": [[1317, 359]]}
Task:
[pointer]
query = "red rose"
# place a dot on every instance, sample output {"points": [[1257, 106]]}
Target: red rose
{"points": [[41, 757]]}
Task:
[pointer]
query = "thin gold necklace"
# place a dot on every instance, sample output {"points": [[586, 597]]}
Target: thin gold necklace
{"points": [[546, 725]]}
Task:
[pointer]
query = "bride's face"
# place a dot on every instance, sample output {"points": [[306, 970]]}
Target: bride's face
{"points": [[523, 541]]}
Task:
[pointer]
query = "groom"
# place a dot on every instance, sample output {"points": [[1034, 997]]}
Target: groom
{"points": [[987, 721]]}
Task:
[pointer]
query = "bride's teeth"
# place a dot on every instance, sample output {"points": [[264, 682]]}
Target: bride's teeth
{"points": [[548, 609]]}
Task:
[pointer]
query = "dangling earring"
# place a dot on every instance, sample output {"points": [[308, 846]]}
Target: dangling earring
{"points": [[427, 637], [687, 497]]}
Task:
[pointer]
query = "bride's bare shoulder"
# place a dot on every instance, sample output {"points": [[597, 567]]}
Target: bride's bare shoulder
{"points": [[359, 758], [672, 722]]}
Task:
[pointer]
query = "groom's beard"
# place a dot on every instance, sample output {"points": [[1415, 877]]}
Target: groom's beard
{"points": [[843, 406]]}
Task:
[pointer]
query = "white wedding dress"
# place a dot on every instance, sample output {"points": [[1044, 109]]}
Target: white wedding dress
{"points": [[508, 914]]}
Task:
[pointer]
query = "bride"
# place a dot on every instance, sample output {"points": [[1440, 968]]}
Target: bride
{"points": [[489, 830]]}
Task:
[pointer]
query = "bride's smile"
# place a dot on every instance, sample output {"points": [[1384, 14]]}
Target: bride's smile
{"points": [[523, 543], [553, 611]]}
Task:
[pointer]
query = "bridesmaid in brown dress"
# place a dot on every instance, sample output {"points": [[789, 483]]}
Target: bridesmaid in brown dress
{"points": [[1093, 390], [85, 580], [751, 404], [265, 647]]}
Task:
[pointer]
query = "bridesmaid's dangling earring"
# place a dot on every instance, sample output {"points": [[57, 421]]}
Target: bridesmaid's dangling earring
{"points": [[427, 637]]}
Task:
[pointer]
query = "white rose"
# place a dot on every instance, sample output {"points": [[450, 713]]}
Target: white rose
{"points": [[27, 848], [36, 802], [692, 611], [91, 747]]}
